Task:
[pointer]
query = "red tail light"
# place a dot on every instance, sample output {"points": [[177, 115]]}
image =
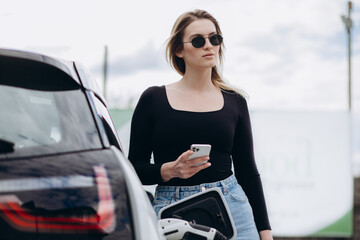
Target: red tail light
{"points": [[103, 221]]}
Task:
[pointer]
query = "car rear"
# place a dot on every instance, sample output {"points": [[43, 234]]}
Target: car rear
{"points": [[59, 177]]}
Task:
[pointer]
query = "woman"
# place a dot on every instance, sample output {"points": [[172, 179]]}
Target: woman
{"points": [[199, 108]]}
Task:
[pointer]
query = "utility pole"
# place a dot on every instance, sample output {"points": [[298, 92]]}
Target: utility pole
{"points": [[348, 24], [105, 69], [356, 208]]}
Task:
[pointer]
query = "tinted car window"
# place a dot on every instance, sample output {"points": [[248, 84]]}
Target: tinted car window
{"points": [[45, 122], [107, 122]]}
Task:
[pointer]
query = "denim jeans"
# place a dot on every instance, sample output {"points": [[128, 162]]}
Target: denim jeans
{"points": [[233, 193]]}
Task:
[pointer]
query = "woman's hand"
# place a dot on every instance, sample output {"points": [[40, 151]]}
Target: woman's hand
{"points": [[266, 235], [182, 167]]}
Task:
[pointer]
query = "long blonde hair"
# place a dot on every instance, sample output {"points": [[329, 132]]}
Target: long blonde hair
{"points": [[175, 44]]}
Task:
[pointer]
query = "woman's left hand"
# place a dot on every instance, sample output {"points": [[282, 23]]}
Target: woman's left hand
{"points": [[266, 235]]}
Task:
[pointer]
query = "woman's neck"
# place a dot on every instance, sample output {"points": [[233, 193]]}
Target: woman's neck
{"points": [[197, 80]]}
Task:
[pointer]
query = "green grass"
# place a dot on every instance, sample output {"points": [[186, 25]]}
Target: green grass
{"points": [[120, 116], [341, 228]]}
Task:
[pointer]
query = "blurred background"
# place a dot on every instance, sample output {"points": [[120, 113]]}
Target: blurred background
{"points": [[290, 56]]}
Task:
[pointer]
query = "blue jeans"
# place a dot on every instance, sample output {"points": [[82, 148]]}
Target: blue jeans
{"points": [[235, 198]]}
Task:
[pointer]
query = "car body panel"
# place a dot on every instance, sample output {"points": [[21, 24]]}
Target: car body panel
{"points": [[88, 81], [143, 213]]}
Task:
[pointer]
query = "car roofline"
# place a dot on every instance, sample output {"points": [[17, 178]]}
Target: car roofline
{"points": [[59, 64]]}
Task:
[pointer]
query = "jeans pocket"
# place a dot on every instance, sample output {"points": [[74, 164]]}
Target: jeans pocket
{"points": [[237, 193]]}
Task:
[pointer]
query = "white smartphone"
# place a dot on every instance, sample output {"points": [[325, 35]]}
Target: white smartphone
{"points": [[200, 150]]}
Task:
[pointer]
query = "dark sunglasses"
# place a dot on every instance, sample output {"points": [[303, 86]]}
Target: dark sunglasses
{"points": [[199, 41]]}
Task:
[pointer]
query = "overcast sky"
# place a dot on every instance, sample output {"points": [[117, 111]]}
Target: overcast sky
{"points": [[286, 54]]}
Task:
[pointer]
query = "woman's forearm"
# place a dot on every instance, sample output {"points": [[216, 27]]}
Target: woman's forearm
{"points": [[266, 235]]}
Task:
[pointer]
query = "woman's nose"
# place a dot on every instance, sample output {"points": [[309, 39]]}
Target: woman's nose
{"points": [[207, 43]]}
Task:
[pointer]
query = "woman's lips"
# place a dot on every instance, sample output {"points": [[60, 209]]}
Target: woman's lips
{"points": [[208, 55]]}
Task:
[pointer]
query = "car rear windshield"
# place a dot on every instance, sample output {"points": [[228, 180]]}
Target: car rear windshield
{"points": [[36, 122]]}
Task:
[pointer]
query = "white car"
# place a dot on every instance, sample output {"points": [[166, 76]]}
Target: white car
{"points": [[63, 174]]}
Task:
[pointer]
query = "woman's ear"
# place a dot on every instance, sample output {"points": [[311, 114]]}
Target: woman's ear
{"points": [[179, 54]]}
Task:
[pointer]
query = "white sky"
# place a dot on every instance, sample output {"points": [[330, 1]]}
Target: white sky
{"points": [[286, 54]]}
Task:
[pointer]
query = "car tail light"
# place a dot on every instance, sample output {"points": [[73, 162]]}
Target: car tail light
{"points": [[26, 220]]}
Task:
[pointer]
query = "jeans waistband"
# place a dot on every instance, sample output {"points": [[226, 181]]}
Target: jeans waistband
{"points": [[224, 184]]}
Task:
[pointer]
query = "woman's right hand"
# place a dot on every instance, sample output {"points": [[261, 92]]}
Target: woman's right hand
{"points": [[182, 167]]}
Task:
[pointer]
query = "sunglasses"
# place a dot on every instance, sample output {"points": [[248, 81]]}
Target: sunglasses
{"points": [[199, 41]]}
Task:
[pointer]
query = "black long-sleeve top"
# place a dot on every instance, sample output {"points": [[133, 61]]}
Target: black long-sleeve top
{"points": [[166, 132]]}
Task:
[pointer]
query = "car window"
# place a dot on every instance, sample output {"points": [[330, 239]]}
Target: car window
{"points": [[43, 122], [107, 122]]}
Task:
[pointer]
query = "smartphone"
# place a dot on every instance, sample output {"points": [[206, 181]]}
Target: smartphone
{"points": [[200, 150]]}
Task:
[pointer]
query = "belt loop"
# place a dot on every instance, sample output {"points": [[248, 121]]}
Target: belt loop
{"points": [[225, 187], [177, 192]]}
